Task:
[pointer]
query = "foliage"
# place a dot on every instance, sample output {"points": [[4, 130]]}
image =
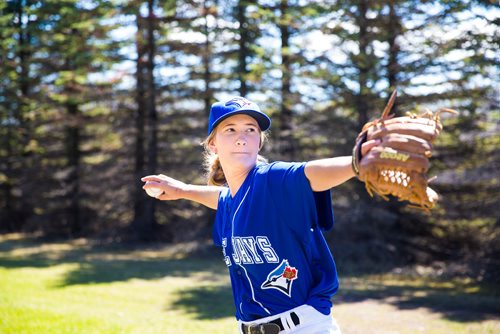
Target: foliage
{"points": [[94, 94]]}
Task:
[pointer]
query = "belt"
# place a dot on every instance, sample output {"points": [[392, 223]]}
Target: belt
{"points": [[272, 327]]}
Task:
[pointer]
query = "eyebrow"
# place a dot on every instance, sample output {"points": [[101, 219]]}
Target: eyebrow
{"points": [[233, 124]]}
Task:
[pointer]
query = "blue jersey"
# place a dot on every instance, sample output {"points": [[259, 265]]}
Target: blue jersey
{"points": [[271, 239]]}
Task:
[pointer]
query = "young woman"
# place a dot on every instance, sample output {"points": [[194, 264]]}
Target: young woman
{"points": [[269, 223]]}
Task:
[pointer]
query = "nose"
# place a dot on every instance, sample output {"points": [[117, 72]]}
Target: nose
{"points": [[241, 141]]}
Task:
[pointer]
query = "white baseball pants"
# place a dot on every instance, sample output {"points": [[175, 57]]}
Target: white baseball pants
{"points": [[311, 322]]}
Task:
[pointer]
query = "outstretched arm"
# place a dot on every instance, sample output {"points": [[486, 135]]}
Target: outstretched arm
{"points": [[174, 189], [324, 174]]}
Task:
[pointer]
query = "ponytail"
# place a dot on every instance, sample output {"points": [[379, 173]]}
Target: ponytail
{"points": [[213, 168]]}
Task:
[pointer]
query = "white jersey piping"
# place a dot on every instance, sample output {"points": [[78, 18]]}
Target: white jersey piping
{"points": [[246, 274]]}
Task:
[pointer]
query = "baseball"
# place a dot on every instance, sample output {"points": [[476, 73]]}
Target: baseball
{"points": [[154, 192]]}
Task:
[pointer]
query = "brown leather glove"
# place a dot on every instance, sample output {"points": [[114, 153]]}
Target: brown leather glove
{"points": [[398, 165]]}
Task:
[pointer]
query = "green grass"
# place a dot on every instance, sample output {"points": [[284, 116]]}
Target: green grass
{"points": [[405, 304], [82, 287]]}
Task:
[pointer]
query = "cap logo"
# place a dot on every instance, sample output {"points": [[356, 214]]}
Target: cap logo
{"points": [[240, 102]]}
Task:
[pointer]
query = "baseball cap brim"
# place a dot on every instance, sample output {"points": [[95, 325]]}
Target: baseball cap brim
{"points": [[262, 119], [235, 106]]}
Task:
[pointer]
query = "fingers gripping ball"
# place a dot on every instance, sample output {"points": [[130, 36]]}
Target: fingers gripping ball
{"points": [[154, 191], [398, 166]]}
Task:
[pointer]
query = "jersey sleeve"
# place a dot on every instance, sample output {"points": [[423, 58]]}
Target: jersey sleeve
{"points": [[294, 195], [219, 218], [323, 201]]}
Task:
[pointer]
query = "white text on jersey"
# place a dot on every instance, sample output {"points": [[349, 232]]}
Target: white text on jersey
{"points": [[250, 250]]}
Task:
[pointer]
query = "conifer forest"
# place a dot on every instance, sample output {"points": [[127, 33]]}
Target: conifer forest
{"points": [[95, 94]]}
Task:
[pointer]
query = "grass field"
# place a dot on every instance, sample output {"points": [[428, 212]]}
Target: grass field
{"points": [[83, 287]]}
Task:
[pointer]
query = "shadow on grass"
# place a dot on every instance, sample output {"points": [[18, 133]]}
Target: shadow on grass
{"points": [[207, 302], [110, 263], [98, 271], [95, 263], [452, 300]]}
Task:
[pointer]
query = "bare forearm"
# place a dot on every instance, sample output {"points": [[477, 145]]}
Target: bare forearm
{"points": [[173, 189], [206, 195], [324, 174]]}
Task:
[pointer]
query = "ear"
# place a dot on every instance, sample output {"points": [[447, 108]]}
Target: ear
{"points": [[212, 147]]}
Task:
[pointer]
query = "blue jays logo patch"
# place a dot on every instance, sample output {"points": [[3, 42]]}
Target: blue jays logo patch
{"points": [[239, 101], [281, 278]]}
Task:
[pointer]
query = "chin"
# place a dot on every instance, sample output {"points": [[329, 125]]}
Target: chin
{"points": [[246, 163]]}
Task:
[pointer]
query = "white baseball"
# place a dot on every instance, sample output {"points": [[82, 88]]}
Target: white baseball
{"points": [[154, 192]]}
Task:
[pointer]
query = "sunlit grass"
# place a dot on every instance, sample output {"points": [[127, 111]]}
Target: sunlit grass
{"points": [[32, 300], [81, 293], [81, 287]]}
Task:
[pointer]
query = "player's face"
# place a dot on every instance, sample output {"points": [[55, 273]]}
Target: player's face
{"points": [[237, 141]]}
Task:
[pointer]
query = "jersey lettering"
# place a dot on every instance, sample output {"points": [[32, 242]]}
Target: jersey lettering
{"points": [[244, 256], [249, 250], [249, 243], [226, 258], [236, 251], [267, 249]]}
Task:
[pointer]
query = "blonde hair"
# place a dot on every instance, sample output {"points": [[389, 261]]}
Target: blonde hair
{"points": [[211, 163]]}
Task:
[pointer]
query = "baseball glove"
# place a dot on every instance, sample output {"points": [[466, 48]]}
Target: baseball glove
{"points": [[398, 165]]}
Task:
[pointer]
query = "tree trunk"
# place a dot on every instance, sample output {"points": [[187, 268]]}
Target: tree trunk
{"points": [[18, 113], [207, 75], [393, 31], [152, 166], [151, 93], [9, 213], [141, 206], [73, 178], [362, 64], [286, 142], [243, 48]]}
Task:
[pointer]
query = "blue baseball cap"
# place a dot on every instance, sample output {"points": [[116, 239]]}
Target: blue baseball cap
{"points": [[234, 106]]}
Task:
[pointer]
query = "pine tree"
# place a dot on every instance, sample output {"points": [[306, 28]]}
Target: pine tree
{"points": [[146, 141], [62, 47], [15, 90]]}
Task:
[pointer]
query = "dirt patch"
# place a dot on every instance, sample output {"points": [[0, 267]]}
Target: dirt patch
{"points": [[381, 317]]}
